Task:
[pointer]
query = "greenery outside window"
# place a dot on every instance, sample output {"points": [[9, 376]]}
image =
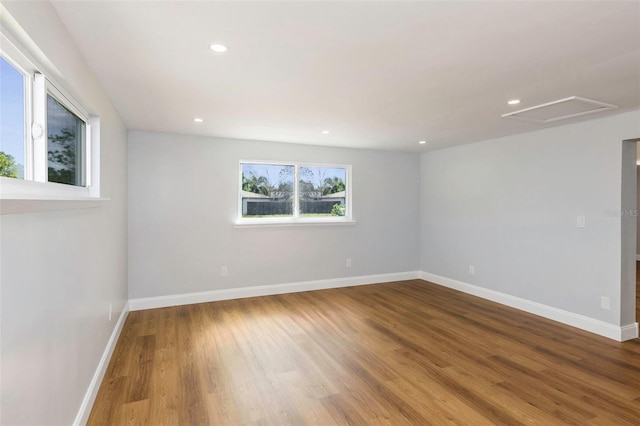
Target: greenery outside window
{"points": [[272, 192], [66, 137], [12, 120]]}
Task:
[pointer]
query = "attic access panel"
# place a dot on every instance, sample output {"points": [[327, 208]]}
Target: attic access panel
{"points": [[572, 106]]}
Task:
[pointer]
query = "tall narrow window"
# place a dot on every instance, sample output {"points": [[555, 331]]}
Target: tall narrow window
{"points": [[12, 121], [65, 144]]}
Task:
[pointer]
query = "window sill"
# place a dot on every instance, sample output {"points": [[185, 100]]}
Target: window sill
{"points": [[294, 223], [26, 204]]}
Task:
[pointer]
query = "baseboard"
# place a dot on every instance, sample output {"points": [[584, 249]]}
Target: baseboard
{"points": [[638, 257], [265, 290], [629, 332], [619, 333], [94, 386]]}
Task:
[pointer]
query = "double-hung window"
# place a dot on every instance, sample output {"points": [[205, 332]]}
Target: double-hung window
{"points": [[45, 135], [290, 192]]}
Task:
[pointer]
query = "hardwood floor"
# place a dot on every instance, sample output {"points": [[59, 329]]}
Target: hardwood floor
{"points": [[398, 353]]}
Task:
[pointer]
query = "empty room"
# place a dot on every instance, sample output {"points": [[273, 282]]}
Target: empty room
{"points": [[319, 213]]}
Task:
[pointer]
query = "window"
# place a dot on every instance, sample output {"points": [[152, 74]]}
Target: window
{"points": [[267, 190], [65, 144], [48, 143], [322, 191], [292, 192]]}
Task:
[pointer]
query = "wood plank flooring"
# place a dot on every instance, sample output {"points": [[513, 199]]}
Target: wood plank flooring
{"points": [[399, 353]]}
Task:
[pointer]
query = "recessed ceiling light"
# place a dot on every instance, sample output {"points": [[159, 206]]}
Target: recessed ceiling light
{"points": [[218, 48], [422, 142], [325, 132], [514, 102], [198, 120]]}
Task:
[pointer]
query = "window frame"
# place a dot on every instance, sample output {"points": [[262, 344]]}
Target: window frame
{"points": [[38, 83], [43, 88], [295, 219]]}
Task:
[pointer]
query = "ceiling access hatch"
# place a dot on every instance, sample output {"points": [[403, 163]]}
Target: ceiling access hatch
{"points": [[570, 107]]}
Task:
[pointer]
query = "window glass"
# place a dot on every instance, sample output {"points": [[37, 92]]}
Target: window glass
{"points": [[322, 191], [12, 121], [267, 190], [311, 193], [65, 144]]}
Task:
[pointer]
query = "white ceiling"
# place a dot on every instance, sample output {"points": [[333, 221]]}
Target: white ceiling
{"points": [[376, 74]]}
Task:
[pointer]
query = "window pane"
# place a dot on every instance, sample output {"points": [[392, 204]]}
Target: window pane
{"points": [[12, 121], [66, 134], [322, 191], [267, 190]]}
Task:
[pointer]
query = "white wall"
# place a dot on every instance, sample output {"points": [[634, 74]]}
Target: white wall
{"points": [[638, 208], [628, 232], [182, 205], [61, 270], [508, 206]]}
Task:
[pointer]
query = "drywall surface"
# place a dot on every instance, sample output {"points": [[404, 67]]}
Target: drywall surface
{"points": [[183, 205], [509, 207], [59, 271], [638, 209], [628, 233]]}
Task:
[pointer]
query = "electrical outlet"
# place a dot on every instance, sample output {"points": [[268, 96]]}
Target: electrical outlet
{"points": [[581, 222], [472, 270], [605, 303], [348, 263], [224, 271], [110, 310]]}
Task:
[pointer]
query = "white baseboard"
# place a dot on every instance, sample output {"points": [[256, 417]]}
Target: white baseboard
{"points": [[619, 333], [629, 332], [94, 386], [638, 257], [265, 290]]}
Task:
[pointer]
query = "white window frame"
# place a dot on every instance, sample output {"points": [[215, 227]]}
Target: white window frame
{"points": [[295, 219], [42, 88], [38, 84]]}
